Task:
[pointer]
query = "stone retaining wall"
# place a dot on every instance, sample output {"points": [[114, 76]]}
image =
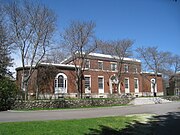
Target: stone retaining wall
{"points": [[68, 103], [172, 98]]}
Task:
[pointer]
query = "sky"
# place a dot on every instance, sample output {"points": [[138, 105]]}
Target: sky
{"points": [[146, 22]]}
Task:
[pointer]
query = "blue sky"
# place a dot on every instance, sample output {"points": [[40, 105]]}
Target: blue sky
{"points": [[147, 22]]}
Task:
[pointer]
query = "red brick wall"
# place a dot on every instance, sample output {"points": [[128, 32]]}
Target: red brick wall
{"points": [[48, 86], [107, 73], [146, 84], [43, 78], [31, 83]]}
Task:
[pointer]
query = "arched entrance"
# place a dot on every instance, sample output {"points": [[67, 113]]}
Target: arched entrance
{"points": [[114, 82]]}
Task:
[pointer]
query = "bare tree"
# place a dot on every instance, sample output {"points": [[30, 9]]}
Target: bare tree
{"points": [[118, 50], [155, 60], [80, 40], [172, 69], [55, 56], [32, 26], [175, 63]]}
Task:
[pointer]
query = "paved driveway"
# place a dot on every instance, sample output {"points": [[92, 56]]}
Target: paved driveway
{"points": [[10, 116]]}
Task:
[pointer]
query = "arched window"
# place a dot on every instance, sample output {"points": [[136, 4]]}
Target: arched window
{"points": [[153, 85], [60, 83]]}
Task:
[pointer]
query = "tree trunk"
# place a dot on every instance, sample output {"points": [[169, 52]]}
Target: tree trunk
{"points": [[81, 88]]}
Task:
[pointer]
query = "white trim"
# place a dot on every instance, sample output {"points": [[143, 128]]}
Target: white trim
{"points": [[113, 57], [115, 67], [100, 90], [87, 75], [59, 65], [150, 73]]}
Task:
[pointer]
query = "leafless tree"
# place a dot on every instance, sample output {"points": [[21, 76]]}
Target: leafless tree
{"points": [[175, 63], [80, 40], [155, 60], [118, 49], [105, 47], [32, 25], [55, 56]]}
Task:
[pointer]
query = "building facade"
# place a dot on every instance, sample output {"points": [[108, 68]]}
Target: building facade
{"points": [[174, 85], [101, 78]]}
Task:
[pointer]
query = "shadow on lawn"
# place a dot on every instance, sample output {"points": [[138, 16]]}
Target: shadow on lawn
{"points": [[157, 125]]}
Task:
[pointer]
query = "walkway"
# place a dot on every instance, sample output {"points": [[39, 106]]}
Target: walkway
{"points": [[9, 116], [149, 100]]}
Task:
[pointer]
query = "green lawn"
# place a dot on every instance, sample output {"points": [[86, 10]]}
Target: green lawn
{"points": [[65, 127]]}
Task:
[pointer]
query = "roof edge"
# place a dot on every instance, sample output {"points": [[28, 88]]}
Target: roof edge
{"points": [[47, 64]]}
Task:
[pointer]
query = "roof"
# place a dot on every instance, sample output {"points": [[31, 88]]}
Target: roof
{"points": [[49, 64], [102, 57], [151, 73], [112, 57], [58, 65]]}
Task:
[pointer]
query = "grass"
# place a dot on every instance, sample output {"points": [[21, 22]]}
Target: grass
{"points": [[65, 127]]}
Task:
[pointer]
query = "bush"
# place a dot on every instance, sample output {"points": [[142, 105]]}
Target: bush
{"points": [[8, 91]]}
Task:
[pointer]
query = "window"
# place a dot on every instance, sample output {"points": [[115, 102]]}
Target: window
{"points": [[87, 82], [100, 65], [136, 83], [87, 64], [135, 69], [125, 68], [126, 82], [101, 82], [23, 82], [113, 66], [153, 85], [60, 83], [177, 92]]}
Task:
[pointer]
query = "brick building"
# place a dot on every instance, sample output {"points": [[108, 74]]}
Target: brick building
{"points": [[99, 78], [174, 85]]}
